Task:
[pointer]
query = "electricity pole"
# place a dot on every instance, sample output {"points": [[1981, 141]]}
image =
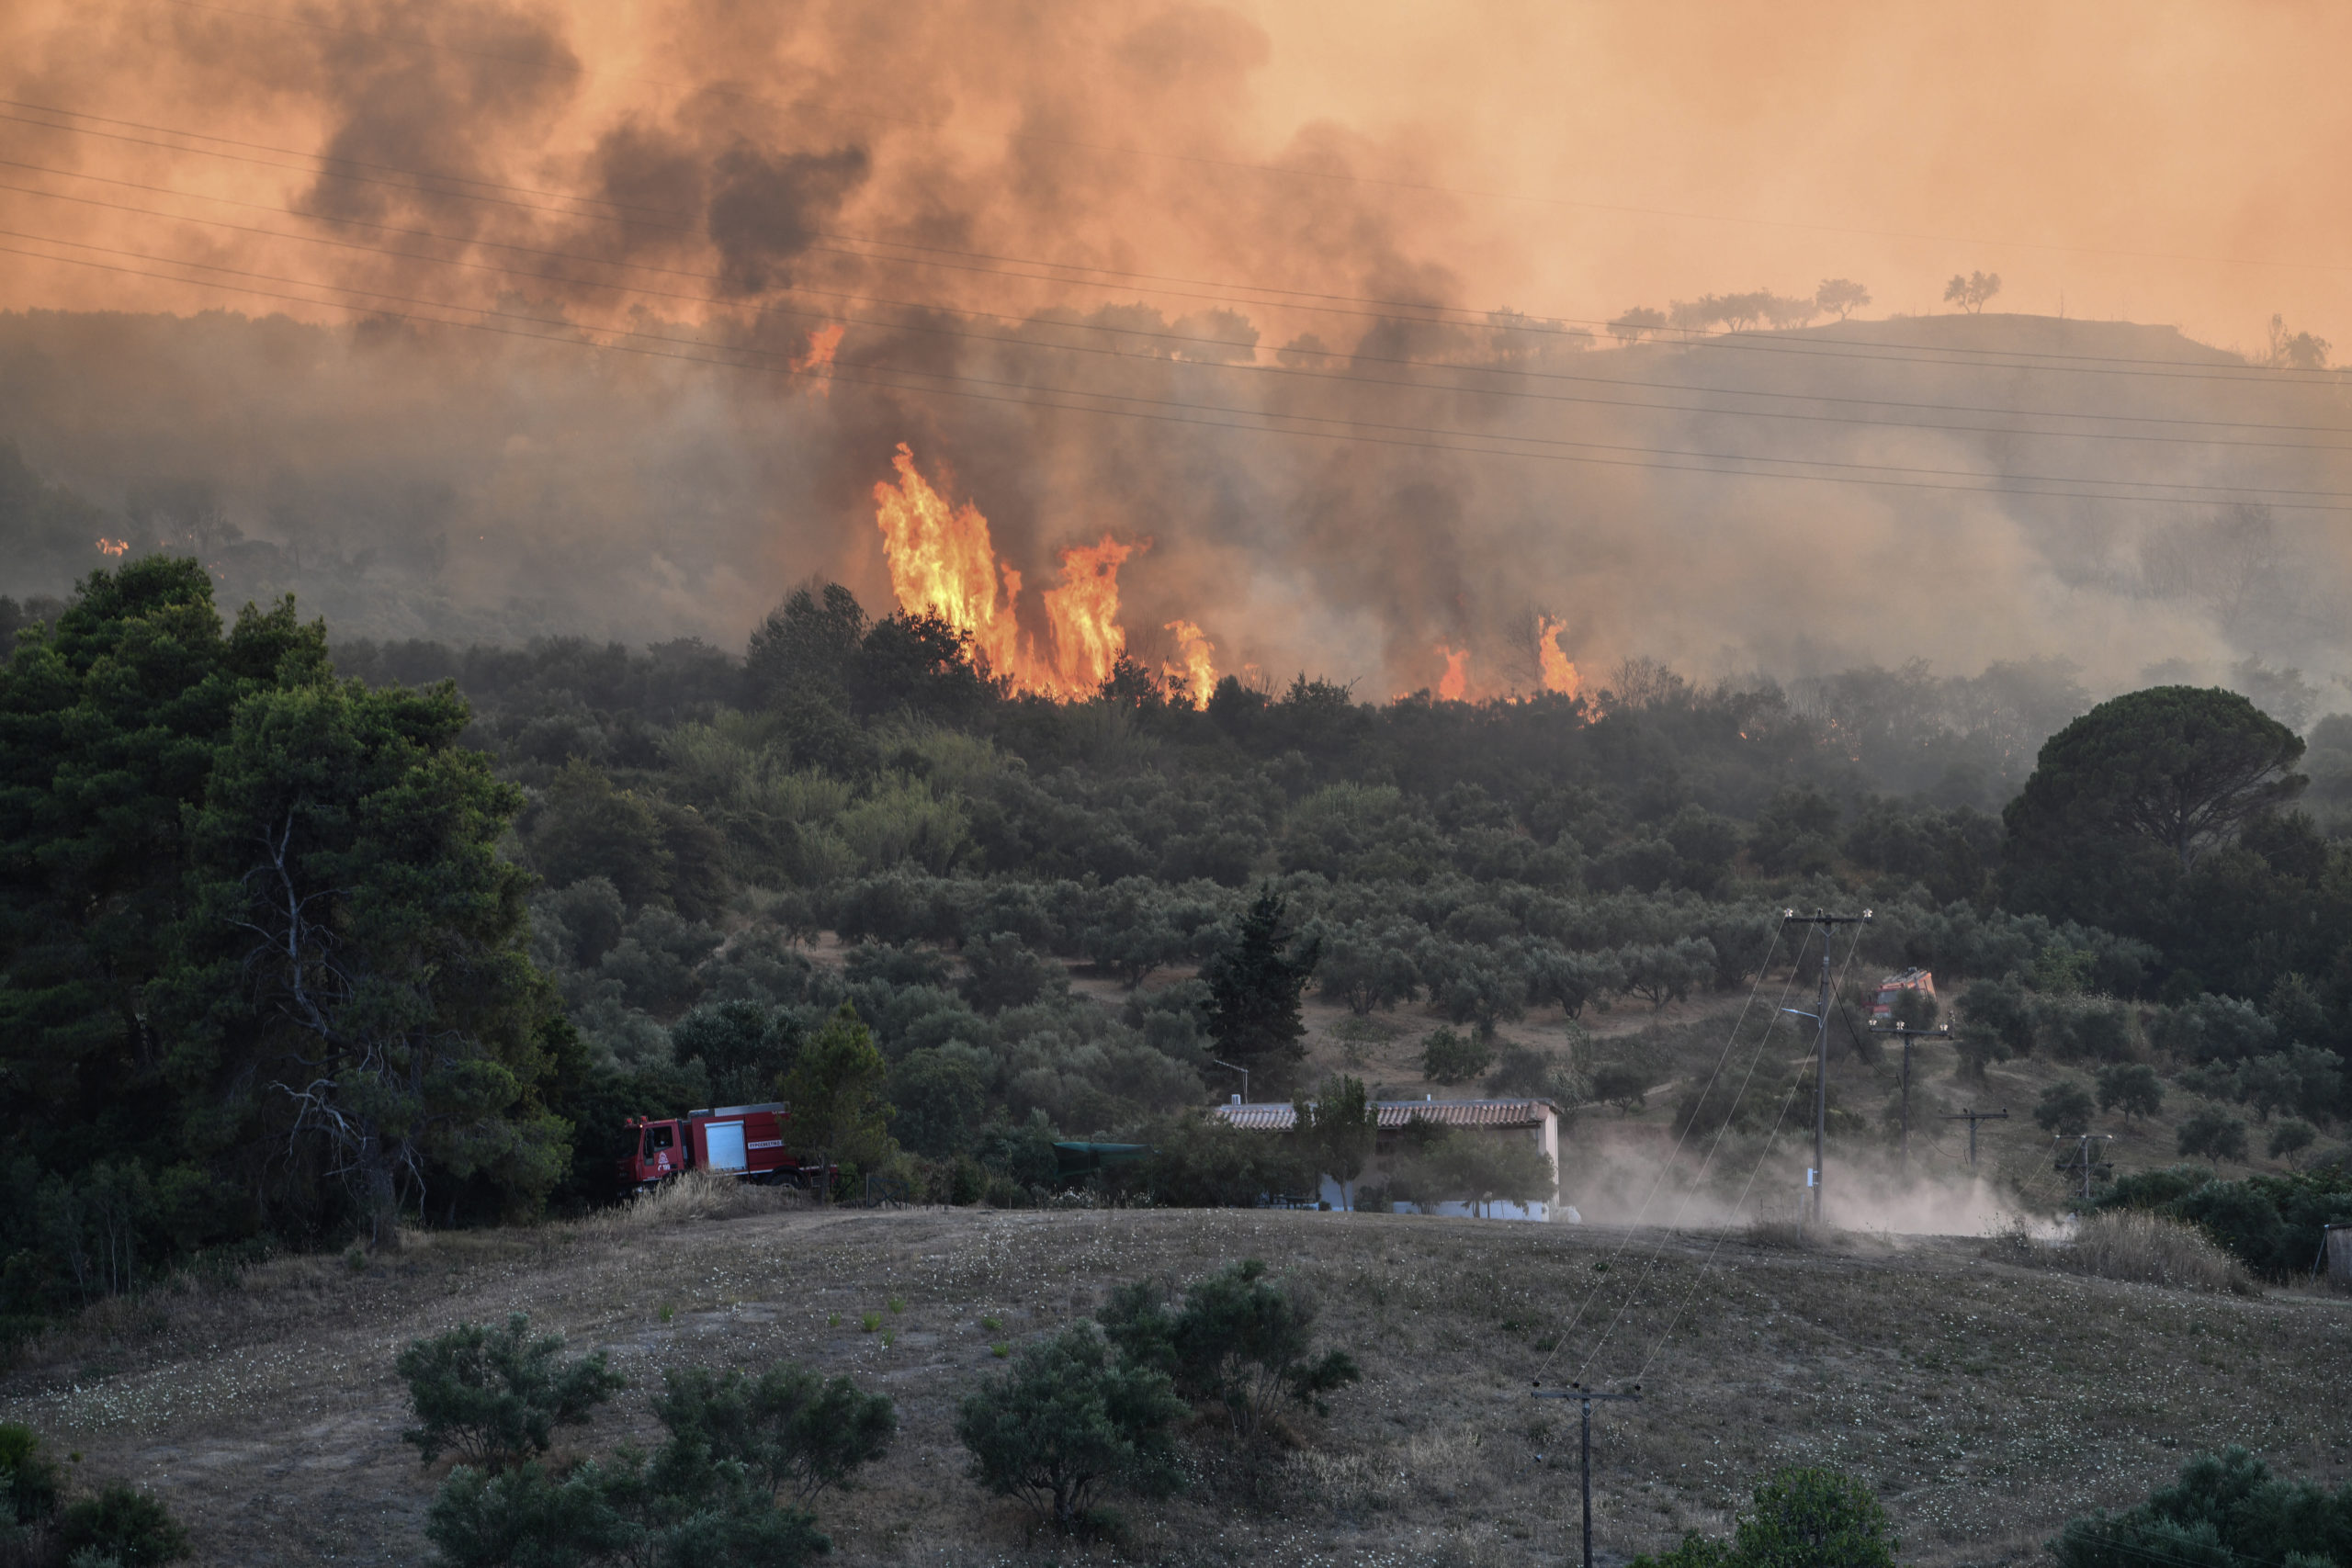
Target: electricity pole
{"points": [[1972, 1118], [1908, 1034], [2087, 1140], [1821, 1045], [1588, 1396]]}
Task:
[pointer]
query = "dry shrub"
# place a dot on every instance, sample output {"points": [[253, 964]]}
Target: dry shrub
{"points": [[2148, 1249], [683, 1200]]}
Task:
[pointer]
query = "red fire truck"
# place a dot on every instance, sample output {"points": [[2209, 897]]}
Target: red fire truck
{"points": [[746, 1141], [1891, 989]]}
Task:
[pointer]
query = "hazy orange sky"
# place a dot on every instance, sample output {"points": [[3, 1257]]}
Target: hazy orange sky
{"points": [[1231, 200], [2171, 163]]}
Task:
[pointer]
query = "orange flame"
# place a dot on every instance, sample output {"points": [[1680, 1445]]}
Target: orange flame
{"points": [[1084, 615], [822, 340], [1192, 671], [943, 561], [1559, 669], [114, 547], [1455, 682]]}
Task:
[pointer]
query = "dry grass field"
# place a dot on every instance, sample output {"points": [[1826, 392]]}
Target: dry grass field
{"points": [[1985, 1400]]}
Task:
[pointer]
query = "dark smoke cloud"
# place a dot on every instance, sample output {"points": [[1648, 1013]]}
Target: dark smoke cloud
{"points": [[418, 479]]}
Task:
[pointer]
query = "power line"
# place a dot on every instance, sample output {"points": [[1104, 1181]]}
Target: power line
{"points": [[1730, 1039], [1382, 310], [569, 332], [1708, 1261], [1722, 1130], [1267, 371], [1292, 171]]}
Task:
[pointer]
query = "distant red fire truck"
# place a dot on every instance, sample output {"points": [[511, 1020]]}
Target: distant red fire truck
{"points": [[1891, 989], [746, 1141]]}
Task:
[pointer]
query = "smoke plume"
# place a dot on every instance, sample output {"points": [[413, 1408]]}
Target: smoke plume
{"points": [[487, 321]]}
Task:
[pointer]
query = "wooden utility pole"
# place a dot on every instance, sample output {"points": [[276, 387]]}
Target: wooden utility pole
{"points": [[1908, 1034], [1588, 1396], [1972, 1118], [1821, 1046]]}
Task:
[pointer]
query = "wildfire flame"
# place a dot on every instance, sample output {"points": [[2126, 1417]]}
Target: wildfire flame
{"points": [[822, 340], [943, 561], [114, 547], [1455, 683], [1083, 614], [1559, 671], [1191, 673]]}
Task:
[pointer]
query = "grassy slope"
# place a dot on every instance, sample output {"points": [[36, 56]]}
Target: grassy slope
{"points": [[1986, 1404]]}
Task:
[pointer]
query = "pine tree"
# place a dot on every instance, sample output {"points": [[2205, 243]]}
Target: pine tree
{"points": [[1254, 989]]}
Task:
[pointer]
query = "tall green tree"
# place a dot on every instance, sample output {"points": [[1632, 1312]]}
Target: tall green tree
{"points": [[354, 950], [835, 1090], [2124, 801], [110, 723], [1337, 1130], [1254, 987]]}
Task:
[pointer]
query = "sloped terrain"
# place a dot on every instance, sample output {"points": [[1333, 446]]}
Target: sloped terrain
{"points": [[1985, 1402]]}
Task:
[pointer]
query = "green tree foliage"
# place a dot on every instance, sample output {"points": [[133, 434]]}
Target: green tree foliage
{"points": [[1199, 1162], [1335, 1131], [495, 1395], [1799, 1518], [2214, 1134], [1450, 1058], [358, 945], [118, 1523], [1239, 1338], [1067, 1421], [1254, 987], [2131, 1088], [2292, 1137], [156, 774], [789, 1428], [679, 1507], [2226, 1510], [1441, 1165], [2271, 1223], [2065, 1108], [2124, 801], [30, 1483], [835, 1090]]}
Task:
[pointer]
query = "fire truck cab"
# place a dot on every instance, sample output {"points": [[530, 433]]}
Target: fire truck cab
{"points": [[746, 1141]]}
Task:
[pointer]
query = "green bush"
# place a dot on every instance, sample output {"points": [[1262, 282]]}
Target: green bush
{"points": [[1239, 1338], [2225, 1511], [490, 1394], [1066, 1420], [681, 1507], [789, 1428], [29, 1480], [1200, 1162], [1800, 1517], [2271, 1223], [123, 1523]]}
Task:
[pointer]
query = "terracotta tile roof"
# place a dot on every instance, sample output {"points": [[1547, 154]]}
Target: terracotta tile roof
{"points": [[1395, 1113]]}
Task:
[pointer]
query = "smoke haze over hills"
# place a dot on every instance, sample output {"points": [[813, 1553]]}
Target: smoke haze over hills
{"points": [[597, 269]]}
